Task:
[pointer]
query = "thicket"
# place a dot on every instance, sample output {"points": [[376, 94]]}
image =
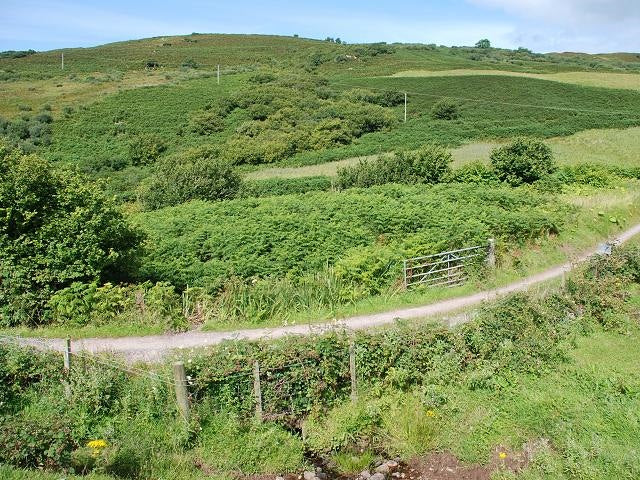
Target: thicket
{"points": [[197, 173], [134, 416], [55, 229], [28, 131], [430, 164], [280, 116]]}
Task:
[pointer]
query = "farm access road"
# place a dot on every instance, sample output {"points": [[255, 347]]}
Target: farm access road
{"points": [[155, 347]]}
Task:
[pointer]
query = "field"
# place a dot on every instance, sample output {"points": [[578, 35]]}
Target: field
{"points": [[143, 196], [628, 81], [533, 394]]}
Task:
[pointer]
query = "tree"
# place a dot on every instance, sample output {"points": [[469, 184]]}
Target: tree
{"points": [[55, 229], [484, 43], [523, 161]]}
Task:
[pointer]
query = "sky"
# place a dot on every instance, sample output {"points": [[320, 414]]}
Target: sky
{"points": [[593, 26]]}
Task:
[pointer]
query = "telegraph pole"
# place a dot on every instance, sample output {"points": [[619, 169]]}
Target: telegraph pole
{"points": [[62, 61], [405, 107]]}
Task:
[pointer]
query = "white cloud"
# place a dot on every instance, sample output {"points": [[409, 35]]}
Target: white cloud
{"points": [[592, 26], [571, 11]]}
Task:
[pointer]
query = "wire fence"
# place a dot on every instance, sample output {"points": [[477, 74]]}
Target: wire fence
{"points": [[181, 383]]}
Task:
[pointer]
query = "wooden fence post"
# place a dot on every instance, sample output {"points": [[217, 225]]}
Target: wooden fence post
{"points": [[257, 391], [180, 381], [67, 367], [491, 254], [352, 370]]}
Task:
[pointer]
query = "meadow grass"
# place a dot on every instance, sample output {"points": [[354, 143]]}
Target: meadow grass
{"points": [[628, 81], [612, 147]]}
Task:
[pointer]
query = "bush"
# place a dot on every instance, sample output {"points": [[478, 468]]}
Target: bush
{"points": [[195, 174], [523, 161], [58, 229], [445, 109], [206, 123], [429, 164], [146, 149]]}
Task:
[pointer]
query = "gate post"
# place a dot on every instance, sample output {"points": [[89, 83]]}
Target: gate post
{"points": [[491, 254]]}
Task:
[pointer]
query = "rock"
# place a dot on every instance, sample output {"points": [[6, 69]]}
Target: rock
{"points": [[365, 474], [378, 476], [395, 474], [321, 476], [309, 475], [383, 469], [279, 478], [392, 464]]}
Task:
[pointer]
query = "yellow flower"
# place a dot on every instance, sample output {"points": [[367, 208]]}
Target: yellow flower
{"points": [[431, 413], [97, 444], [502, 455]]}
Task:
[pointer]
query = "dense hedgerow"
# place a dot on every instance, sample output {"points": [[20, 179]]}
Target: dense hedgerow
{"points": [[429, 164], [203, 244], [301, 377]]}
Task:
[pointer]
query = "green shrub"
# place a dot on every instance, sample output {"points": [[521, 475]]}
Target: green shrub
{"points": [[195, 174], [227, 443], [430, 164], [59, 229], [44, 441], [203, 244], [523, 161], [473, 172], [284, 186], [445, 109], [145, 149], [206, 123]]}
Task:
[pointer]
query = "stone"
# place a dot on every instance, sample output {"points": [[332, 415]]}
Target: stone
{"points": [[309, 475], [384, 469], [392, 464], [321, 475], [365, 474], [378, 476], [279, 478]]}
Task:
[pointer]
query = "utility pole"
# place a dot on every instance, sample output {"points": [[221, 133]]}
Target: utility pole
{"points": [[218, 74], [62, 61], [405, 107]]}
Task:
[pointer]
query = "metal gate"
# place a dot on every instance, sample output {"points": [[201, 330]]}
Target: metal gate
{"points": [[446, 268]]}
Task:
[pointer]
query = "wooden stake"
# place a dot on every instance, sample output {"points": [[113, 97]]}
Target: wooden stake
{"points": [[352, 370], [257, 391], [491, 255], [67, 368], [180, 380]]}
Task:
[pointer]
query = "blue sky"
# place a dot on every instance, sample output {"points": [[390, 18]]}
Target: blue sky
{"points": [[542, 25]]}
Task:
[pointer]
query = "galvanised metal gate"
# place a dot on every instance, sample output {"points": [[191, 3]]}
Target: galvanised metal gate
{"points": [[446, 268]]}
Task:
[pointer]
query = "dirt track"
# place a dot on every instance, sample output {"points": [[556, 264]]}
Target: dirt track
{"points": [[154, 347]]}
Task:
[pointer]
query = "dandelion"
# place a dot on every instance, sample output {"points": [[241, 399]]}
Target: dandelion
{"points": [[96, 446], [502, 455], [431, 413]]}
